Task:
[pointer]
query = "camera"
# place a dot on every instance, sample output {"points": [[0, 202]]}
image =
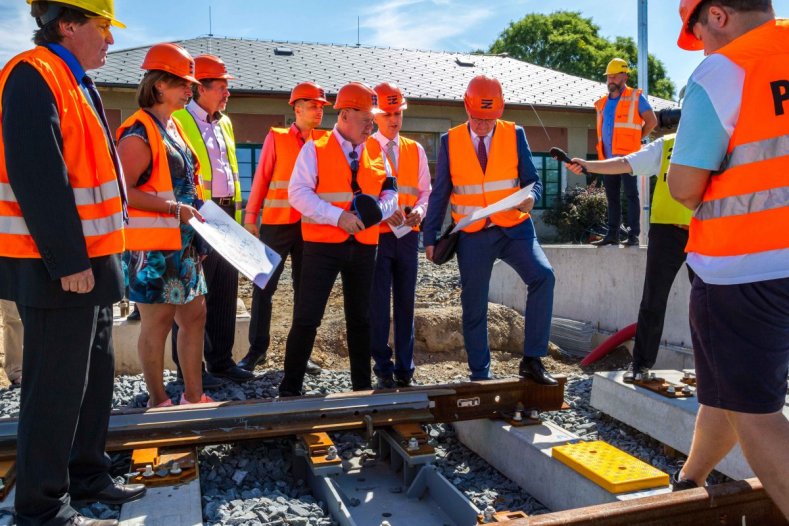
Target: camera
{"points": [[668, 118]]}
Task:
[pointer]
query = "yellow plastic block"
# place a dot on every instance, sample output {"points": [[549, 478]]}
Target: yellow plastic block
{"points": [[609, 467]]}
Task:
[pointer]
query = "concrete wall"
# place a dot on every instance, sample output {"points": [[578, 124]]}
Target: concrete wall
{"points": [[599, 285]]}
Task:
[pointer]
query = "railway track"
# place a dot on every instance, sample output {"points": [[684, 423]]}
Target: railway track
{"points": [[392, 415]]}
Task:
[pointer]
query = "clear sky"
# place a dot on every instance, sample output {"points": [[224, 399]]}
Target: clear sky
{"points": [[448, 25]]}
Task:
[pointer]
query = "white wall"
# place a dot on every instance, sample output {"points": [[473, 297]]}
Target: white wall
{"points": [[601, 285]]}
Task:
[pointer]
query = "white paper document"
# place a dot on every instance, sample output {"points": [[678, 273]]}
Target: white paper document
{"points": [[401, 230], [509, 202], [241, 249]]}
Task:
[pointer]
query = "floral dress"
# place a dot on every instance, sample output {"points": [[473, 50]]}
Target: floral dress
{"points": [[169, 276]]}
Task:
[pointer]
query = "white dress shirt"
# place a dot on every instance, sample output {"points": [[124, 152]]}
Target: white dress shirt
{"points": [[423, 181], [486, 139], [222, 182], [304, 180]]}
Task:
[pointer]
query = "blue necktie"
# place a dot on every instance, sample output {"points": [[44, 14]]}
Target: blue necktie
{"points": [[99, 107]]}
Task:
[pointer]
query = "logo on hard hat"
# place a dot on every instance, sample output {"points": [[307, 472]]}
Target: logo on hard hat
{"points": [[486, 104], [375, 100], [392, 99], [321, 93]]}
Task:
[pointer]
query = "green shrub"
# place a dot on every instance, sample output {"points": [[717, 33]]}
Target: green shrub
{"points": [[577, 210]]}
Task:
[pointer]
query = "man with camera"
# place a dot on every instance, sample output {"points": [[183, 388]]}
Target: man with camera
{"points": [[668, 235], [343, 194]]}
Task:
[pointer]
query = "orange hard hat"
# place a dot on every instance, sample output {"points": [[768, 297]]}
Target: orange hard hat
{"points": [[211, 67], [687, 40], [483, 98], [390, 98], [357, 96], [171, 58], [307, 91]]}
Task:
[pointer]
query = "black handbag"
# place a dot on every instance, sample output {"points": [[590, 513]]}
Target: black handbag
{"points": [[446, 246]]}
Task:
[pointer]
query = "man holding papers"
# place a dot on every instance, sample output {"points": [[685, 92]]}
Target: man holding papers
{"points": [[480, 163]]}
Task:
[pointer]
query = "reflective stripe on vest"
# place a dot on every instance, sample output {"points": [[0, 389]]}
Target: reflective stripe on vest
{"points": [[473, 190], [665, 210], [628, 124], [276, 207], [334, 186], [407, 173], [745, 207], [149, 230], [189, 125], [88, 161]]}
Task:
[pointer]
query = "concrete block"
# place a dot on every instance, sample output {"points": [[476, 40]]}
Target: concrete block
{"points": [[603, 286], [126, 333], [670, 421], [166, 506], [523, 454]]}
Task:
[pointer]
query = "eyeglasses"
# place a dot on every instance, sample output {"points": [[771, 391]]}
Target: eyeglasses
{"points": [[354, 169]]}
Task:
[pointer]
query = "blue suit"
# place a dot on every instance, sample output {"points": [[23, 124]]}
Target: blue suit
{"points": [[477, 251]]}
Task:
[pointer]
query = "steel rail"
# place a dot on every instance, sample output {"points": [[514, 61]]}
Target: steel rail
{"points": [[266, 418], [738, 503]]}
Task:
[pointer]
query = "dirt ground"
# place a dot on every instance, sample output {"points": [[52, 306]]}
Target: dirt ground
{"points": [[437, 288]]}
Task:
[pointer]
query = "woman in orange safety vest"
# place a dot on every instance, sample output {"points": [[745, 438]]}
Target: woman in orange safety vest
{"points": [[162, 177]]}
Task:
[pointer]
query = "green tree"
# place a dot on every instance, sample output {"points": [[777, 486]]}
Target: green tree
{"points": [[566, 41]]}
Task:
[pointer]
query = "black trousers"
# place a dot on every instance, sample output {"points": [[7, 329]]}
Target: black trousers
{"points": [[613, 185], [68, 370], [286, 241], [355, 262], [220, 325], [665, 256]]}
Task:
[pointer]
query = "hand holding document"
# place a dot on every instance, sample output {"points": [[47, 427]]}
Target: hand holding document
{"points": [[508, 203], [403, 228], [241, 249]]}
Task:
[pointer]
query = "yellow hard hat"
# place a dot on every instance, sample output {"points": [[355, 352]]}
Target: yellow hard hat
{"points": [[617, 65], [101, 8]]}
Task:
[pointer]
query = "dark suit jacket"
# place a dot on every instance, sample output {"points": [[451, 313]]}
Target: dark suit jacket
{"points": [[38, 177]]}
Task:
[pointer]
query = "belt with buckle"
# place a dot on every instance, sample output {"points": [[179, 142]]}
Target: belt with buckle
{"points": [[223, 201]]}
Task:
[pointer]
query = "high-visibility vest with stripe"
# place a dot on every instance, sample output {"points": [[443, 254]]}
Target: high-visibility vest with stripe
{"points": [[628, 124], [148, 230], [86, 154], [471, 188], [745, 207], [276, 207], [665, 210], [334, 186], [407, 173], [189, 125]]}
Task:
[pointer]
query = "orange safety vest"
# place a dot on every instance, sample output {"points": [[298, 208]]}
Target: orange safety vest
{"points": [[276, 207], [148, 230], [407, 173], [745, 208], [472, 189], [91, 172], [628, 124], [334, 186]]}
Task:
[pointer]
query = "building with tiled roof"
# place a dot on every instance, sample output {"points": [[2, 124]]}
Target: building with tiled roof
{"points": [[556, 109]]}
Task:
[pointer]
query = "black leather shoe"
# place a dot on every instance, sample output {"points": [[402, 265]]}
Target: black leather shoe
{"points": [[251, 360], [313, 368], [287, 394], [607, 240], [385, 382], [234, 373], [404, 382], [134, 315], [632, 241], [79, 520], [533, 369], [116, 494], [209, 381]]}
